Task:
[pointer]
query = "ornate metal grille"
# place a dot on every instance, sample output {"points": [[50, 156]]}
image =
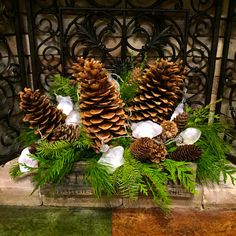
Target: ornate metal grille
{"points": [[45, 37]]}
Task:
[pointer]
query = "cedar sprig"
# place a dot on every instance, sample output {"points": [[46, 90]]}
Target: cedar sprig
{"points": [[181, 172], [97, 175], [128, 178]]}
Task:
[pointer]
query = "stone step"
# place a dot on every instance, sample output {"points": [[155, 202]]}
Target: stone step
{"points": [[17, 193]]}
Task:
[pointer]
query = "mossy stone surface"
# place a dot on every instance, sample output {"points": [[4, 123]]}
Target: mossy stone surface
{"points": [[24, 221]]}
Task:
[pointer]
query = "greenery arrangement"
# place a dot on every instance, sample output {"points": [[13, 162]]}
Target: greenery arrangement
{"points": [[149, 164]]}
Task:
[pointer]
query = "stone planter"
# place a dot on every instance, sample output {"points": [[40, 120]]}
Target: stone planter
{"points": [[74, 191]]}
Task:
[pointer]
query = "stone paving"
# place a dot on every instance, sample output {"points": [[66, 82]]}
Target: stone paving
{"points": [[181, 222]]}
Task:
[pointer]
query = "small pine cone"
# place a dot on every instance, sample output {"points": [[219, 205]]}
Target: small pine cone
{"points": [[161, 138], [141, 148], [39, 113], [158, 152], [186, 153], [169, 129], [146, 149], [136, 75], [73, 82], [181, 120], [65, 132]]}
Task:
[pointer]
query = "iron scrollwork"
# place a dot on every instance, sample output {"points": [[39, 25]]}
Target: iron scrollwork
{"points": [[201, 25], [115, 36], [9, 112], [116, 32]]}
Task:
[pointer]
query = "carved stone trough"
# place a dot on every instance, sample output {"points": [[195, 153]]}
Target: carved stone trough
{"points": [[74, 191]]}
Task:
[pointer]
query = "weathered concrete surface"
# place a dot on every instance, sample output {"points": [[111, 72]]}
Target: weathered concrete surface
{"points": [[181, 222], [82, 202], [219, 196], [176, 202], [17, 193]]}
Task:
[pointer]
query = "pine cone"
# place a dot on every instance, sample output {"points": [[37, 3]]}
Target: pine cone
{"points": [[186, 153], [136, 75], [101, 107], [181, 120], [40, 114], [146, 149], [160, 92], [65, 132], [169, 129]]}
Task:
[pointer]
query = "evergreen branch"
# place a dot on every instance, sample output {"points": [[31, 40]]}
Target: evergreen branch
{"points": [[84, 141], [182, 172], [15, 171], [213, 160], [122, 141], [156, 180], [62, 86], [201, 115], [46, 149], [128, 178], [55, 162], [128, 89], [27, 137], [98, 176]]}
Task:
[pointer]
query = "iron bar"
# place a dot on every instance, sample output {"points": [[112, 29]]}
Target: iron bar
{"points": [[228, 31]]}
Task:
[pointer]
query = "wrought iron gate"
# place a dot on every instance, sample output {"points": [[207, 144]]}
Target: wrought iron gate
{"points": [[40, 38]]}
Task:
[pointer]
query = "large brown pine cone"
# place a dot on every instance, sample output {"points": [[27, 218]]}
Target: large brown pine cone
{"points": [[160, 92], [100, 104]]}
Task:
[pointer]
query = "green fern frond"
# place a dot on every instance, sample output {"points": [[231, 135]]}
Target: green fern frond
{"points": [[55, 162], [213, 162], [98, 176], [46, 149], [156, 180], [180, 171], [128, 178], [200, 116]]}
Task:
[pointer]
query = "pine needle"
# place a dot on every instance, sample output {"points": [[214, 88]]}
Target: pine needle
{"points": [[27, 137], [61, 86], [15, 171], [127, 89], [55, 162]]}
